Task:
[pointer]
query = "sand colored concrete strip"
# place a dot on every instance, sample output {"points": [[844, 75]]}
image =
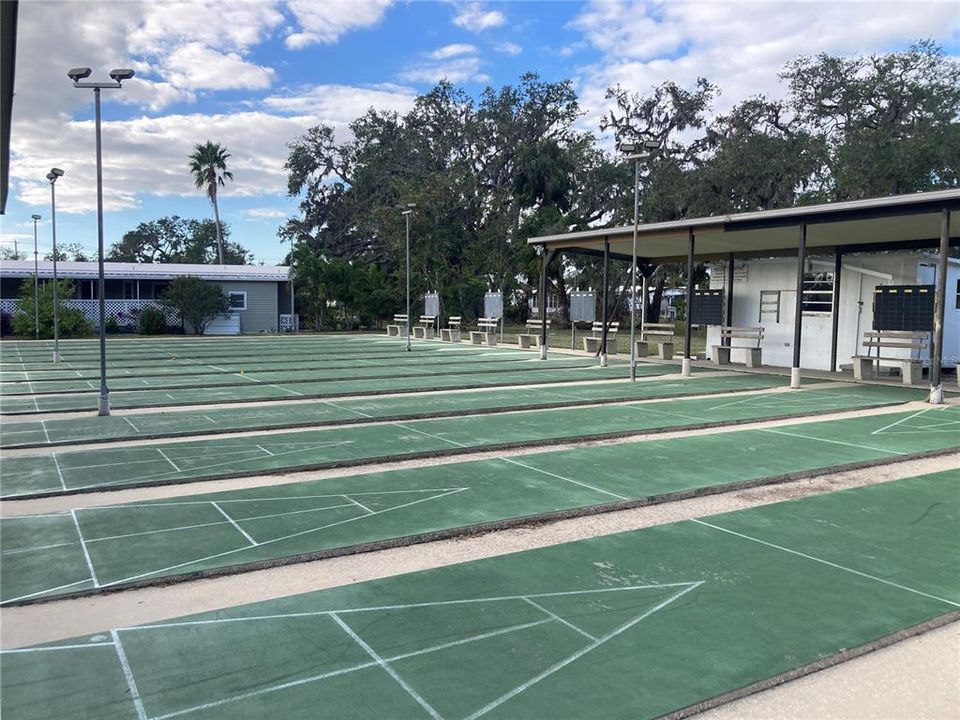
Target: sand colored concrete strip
{"points": [[49, 472], [640, 624], [95, 548]]}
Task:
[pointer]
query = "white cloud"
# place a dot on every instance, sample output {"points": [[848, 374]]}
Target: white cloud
{"points": [[195, 66], [473, 16], [341, 104], [507, 48], [739, 47], [265, 213], [449, 51], [324, 22], [457, 70]]}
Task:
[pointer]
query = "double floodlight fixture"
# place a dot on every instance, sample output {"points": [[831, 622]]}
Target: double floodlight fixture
{"points": [[639, 150], [79, 74], [406, 208], [54, 174]]}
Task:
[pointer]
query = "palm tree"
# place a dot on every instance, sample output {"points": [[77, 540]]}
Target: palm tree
{"points": [[208, 165]]}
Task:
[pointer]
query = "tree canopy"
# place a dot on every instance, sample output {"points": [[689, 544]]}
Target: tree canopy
{"points": [[488, 173], [177, 240]]}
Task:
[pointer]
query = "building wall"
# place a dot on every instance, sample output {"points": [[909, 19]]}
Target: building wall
{"points": [[262, 313], [860, 275]]}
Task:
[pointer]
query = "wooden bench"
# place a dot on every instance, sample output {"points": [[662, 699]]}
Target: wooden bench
{"points": [[451, 332], [399, 326], [486, 332], [424, 328], [911, 369], [659, 333], [721, 353], [592, 344], [532, 335]]}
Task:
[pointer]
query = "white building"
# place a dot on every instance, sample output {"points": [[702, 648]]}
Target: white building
{"points": [[764, 295]]}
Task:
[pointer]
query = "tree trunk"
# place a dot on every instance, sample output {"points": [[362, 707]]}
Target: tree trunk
{"points": [[216, 215]]}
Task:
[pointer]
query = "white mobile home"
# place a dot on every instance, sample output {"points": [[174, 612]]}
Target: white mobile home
{"points": [[764, 294]]}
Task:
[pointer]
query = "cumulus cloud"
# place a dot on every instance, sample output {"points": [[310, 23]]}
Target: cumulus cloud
{"points": [[473, 16], [341, 104], [324, 22], [507, 48], [195, 66], [739, 47], [265, 213], [457, 70], [449, 51]]}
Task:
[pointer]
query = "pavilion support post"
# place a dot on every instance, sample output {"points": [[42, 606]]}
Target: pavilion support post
{"points": [[939, 305], [688, 329], [729, 298], [798, 314], [835, 319], [542, 301], [603, 302]]}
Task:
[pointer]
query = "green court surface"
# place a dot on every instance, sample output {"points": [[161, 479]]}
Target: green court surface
{"points": [[635, 625], [102, 547], [255, 392], [227, 364], [262, 417], [295, 376], [52, 472]]}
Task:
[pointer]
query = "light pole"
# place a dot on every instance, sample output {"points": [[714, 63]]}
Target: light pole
{"points": [[407, 212], [52, 177], [36, 281], [118, 76], [637, 152]]}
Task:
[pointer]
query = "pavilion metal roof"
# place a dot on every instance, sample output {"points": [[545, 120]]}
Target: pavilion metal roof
{"points": [[895, 222]]}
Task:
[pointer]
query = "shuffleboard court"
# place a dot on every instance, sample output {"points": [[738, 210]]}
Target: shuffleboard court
{"points": [[262, 417], [293, 376], [50, 472], [259, 364], [90, 549], [638, 624], [256, 392]]}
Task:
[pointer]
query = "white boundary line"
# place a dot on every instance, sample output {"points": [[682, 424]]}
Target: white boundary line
{"points": [[832, 442], [386, 668], [56, 464], [580, 653], [86, 553], [135, 428], [165, 457], [128, 675], [559, 619], [43, 424], [359, 505], [234, 523], [561, 477], [55, 647], [826, 562]]}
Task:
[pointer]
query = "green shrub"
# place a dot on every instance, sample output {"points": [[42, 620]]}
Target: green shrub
{"points": [[112, 325], [152, 321], [71, 322]]}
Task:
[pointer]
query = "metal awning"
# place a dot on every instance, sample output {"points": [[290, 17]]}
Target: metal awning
{"points": [[888, 223]]}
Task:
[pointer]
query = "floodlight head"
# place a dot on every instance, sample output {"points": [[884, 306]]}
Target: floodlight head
{"points": [[628, 147], [78, 74], [35, 216], [121, 74], [652, 144], [54, 174]]}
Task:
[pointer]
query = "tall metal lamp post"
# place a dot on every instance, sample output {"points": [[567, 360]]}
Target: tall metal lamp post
{"points": [[78, 75], [407, 212], [36, 281], [636, 152], [52, 177]]}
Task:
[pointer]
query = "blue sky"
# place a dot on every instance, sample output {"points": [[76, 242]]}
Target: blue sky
{"points": [[254, 75]]}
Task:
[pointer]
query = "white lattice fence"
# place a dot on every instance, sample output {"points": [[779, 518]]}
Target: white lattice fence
{"points": [[289, 323], [125, 312]]}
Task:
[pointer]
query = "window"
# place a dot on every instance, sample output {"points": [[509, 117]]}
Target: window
{"points": [[817, 293], [238, 300], [770, 305], [958, 293], [129, 290]]}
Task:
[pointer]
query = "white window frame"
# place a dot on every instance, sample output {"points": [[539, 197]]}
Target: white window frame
{"points": [[230, 295]]}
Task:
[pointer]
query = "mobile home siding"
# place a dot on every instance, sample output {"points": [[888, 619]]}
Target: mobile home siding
{"points": [[262, 313]]}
